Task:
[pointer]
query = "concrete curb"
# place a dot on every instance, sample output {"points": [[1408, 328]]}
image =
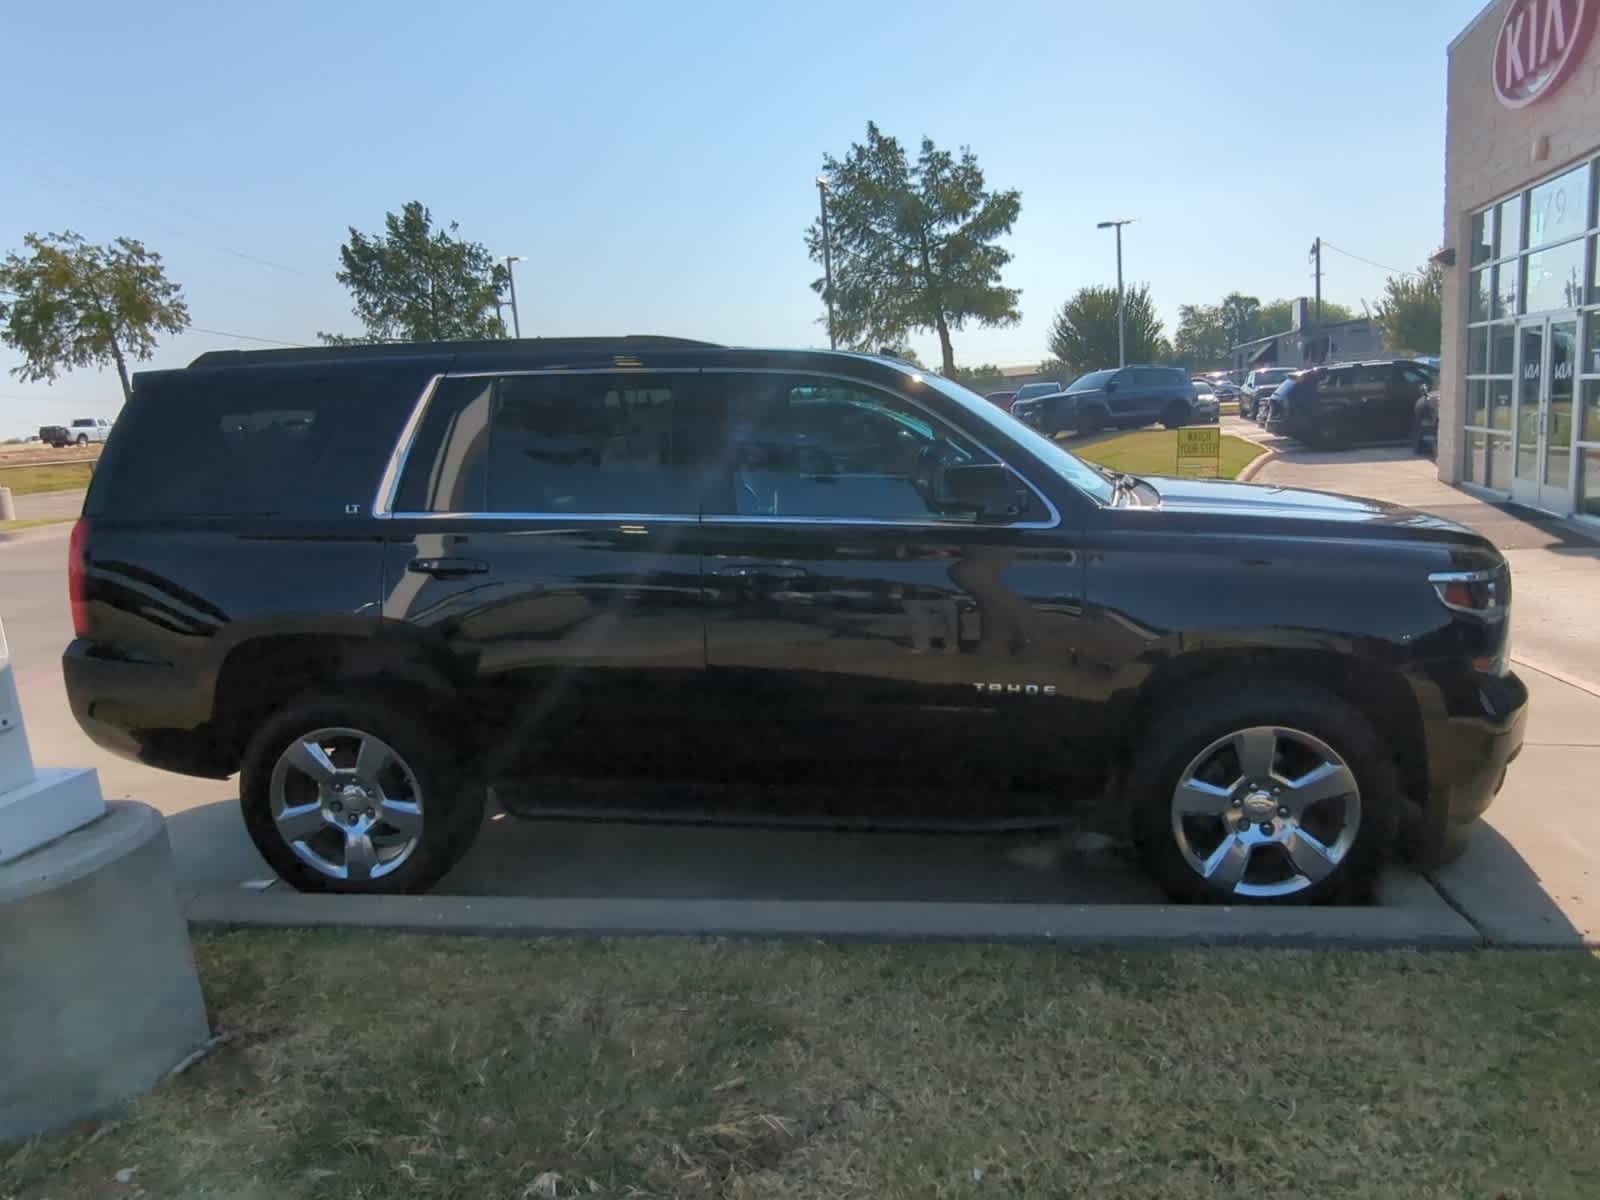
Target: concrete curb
{"points": [[1412, 915], [1253, 468], [1543, 668]]}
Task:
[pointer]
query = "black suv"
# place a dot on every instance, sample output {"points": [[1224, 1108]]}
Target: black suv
{"points": [[785, 585], [1335, 406], [1124, 398], [1258, 388]]}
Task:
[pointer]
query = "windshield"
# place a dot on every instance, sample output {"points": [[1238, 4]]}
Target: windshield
{"points": [[1074, 470], [1271, 378], [1090, 382]]}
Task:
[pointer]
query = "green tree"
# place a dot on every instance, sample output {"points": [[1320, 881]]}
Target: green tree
{"points": [[75, 304], [1202, 337], [1240, 316], [913, 245], [1084, 334], [1410, 313], [983, 378], [1278, 316], [415, 283]]}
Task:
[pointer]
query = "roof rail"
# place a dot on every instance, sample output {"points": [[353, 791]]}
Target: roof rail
{"points": [[590, 345]]}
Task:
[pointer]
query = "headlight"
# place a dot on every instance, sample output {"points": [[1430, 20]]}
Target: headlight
{"points": [[1485, 594]]}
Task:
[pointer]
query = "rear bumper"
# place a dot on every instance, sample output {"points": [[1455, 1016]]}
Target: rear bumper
{"points": [[148, 712], [1470, 746]]}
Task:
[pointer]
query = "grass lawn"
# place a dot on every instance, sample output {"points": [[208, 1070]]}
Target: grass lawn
{"points": [[367, 1065], [57, 477], [1155, 452]]}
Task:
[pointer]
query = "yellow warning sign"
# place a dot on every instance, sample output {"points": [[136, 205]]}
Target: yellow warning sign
{"points": [[1200, 451]]}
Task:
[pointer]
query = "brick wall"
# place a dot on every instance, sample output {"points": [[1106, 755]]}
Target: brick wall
{"points": [[1490, 152]]}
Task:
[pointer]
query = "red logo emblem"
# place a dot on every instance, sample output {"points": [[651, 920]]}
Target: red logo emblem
{"points": [[1540, 42]]}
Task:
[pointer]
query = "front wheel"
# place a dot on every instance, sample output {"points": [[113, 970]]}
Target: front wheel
{"points": [[345, 795], [1176, 416], [1263, 793]]}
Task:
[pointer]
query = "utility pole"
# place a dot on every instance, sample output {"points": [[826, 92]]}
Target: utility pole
{"points": [[827, 259], [1122, 316], [511, 278], [1316, 254]]}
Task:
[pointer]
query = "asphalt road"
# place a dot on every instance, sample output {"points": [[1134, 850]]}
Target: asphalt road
{"points": [[559, 858]]}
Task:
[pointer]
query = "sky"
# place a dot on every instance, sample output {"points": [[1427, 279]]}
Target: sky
{"points": [[655, 163]]}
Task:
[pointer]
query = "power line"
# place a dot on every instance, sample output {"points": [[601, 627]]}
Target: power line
{"points": [[1327, 245], [246, 337]]}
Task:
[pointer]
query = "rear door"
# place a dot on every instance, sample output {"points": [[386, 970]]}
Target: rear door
{"points": [[542, 553], [1408, 383], [856, 635], [1375, 389]]}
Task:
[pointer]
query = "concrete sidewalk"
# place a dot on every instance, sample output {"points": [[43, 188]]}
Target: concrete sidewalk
{"points": [[1531, 875]]}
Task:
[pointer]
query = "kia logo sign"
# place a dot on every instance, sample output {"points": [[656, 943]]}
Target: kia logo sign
{"points": [[1540, 42]]}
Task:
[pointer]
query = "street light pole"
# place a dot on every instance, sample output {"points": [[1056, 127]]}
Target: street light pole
{"points": [[1122, 321], [511, 278], [827, 259]]}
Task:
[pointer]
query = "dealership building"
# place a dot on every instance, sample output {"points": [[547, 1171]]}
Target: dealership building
{"points": [[1519, 413]]}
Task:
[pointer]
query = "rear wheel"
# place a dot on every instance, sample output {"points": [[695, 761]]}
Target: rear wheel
{"points": [[1263, 793], [83, 439], [1176, 416], [346, 795]]}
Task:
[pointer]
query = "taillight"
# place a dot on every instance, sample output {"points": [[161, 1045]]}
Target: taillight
{"points": [[77, 577]]}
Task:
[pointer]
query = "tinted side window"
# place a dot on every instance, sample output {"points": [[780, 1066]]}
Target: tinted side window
{"points": [[275, 441], [608, 443], [798, 446], [1370, 376], [446, 466]]}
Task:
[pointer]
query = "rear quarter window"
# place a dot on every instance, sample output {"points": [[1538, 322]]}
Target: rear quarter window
{"points": [[263, 442]]}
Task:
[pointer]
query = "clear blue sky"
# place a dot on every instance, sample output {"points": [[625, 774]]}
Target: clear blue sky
{"points": [[655, 162]]}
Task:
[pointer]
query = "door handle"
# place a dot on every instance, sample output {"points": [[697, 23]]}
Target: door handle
{"points": [[447, 568], [761, 571]]}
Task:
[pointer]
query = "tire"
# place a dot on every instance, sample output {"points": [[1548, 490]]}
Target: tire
{"points": [[1176, 416], [83, 439], [447, 813], [1193, 740], [1328, 434]]}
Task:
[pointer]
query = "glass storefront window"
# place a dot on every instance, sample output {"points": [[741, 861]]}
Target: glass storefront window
{"points": [[1482, 237], [1590, 364], [1555, 278], [1508, 227], [1477, 351], [1559, 208], [1472, 466], [1504, 301], [1497, 471], [1589, 431], [1502, 340], [1478, 295], [1589, 483], [1477, 402], [1499, 404]]}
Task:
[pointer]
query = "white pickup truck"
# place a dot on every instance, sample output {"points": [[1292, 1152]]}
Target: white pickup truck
{"points": [[80, 433]]}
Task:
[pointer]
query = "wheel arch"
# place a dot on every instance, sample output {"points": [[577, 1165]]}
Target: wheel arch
{"points": [[1380, 693]]}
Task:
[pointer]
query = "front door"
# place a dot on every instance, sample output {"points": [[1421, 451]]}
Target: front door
{"points": [[862, 638], [1547, 356]]}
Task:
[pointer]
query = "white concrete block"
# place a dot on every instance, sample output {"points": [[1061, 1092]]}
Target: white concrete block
{"points": [[57, 801]]}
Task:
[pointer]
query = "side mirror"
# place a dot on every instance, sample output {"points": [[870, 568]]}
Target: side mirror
{"points": [[988, 489]]}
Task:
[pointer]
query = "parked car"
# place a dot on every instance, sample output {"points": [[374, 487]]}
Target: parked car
{"points": [[80, 433], [1258, 385], [1334, 406], [1001, 400], [791, 579], [1219, 386], [1030, 391], [1203, 409], [1425, 424], [1122, 398]]}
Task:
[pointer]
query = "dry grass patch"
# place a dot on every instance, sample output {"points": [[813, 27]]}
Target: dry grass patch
{"points": [[375, 1066]]}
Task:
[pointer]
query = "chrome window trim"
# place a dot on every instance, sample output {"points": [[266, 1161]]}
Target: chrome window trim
{"points": [[383, 502]]}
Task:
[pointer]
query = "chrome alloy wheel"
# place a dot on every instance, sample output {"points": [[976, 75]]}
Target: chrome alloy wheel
{"points": [[346, 803], [1266, 811]]}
